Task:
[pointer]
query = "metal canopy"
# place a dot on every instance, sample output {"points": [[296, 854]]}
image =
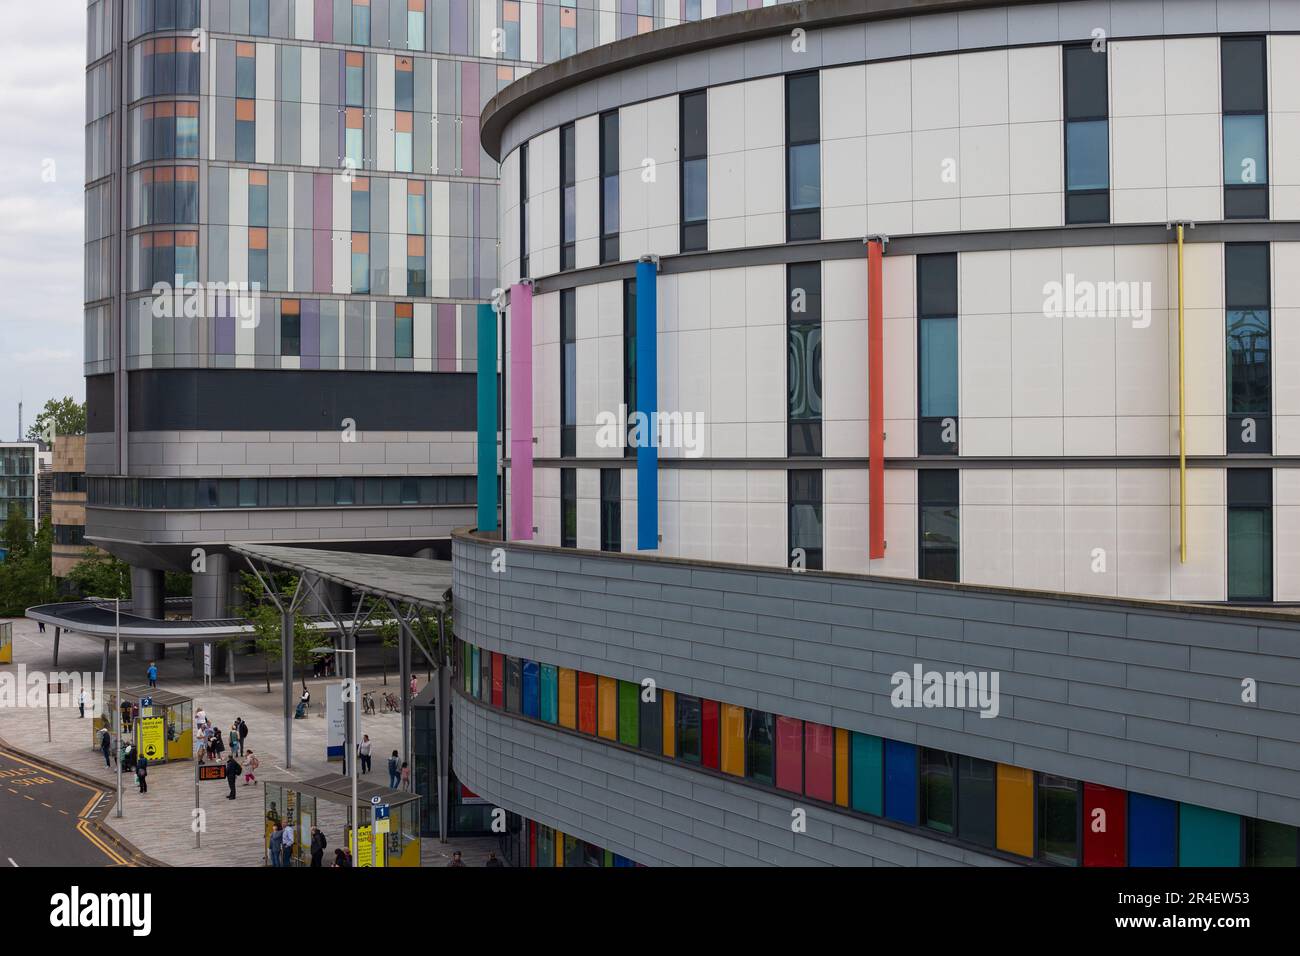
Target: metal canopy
{"points": [[337, 790], [420, 581]]}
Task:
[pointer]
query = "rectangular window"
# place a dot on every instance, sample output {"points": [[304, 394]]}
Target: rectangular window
{"points": [[531, 704], [805, 518], [609, 186], [789, 754], [245, 131], [354, 79], [568, 373], [567, 680], [586, 703], [548, 694], [1250, 534], [568, 507], [866, 782], [1250, 343], [514, 685], [257, 258], [710, 729], [901, 782], [607, 707], [629, 713], [568, 198], [259, 17], [416, 272], [804, 358], [403, 330], [246, 70], [510, 23], [689, 718], [258, 195], [733, 739], [651, 720], [940, 530], [819, 761], [1087, 134], [354, 137], [611, 517], [803, 156], [629, 362], [360, 262], [361, 22], [404, 83], [403, 143], [695, 171], [523, 210], [1270, 844], [1243, 71], [1058, 819], [760, 746], [977, 811], [415, 207], [938, 790], [360, 204], [290, 327], [936, 310]]}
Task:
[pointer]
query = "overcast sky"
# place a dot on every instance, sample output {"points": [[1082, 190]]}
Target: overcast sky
{"points": [[42, 117]]}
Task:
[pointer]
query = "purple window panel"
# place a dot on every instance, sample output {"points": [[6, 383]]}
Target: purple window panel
{"points": [[469, 108], [459, 26], [324, 20], [521, 412], [322, 235]]}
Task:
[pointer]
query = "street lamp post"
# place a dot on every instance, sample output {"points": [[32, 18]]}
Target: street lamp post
{"points": [[349, 755], [117, 709]]}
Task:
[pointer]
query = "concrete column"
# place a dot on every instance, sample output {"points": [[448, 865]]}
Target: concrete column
{"points": [[286, 675], [212, 588], [55, 660], [147, 593]]}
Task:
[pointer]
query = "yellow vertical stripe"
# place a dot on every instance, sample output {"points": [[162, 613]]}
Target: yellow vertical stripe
{"points": [[1182, 413], [559, 843], [1015, 810], [568, 681], [841, 767], [607, 707], [733, 739], [670, 723]]}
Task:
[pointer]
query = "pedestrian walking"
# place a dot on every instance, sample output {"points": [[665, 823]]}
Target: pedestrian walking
{"points": [[105, 745], [142, 774], [243, 734], [492, 859], [41, 626], [286, 854], [218, 745], [232, 774], [415, 684], [456, 860], [152, 674], [81, 703], [318, 845], [406, 776], [233, 736], [394, 771], [250, 768], [341, 861], [274, 844], [364, 751]]}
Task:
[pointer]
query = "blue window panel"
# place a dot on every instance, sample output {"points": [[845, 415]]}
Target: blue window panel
{"points": [[938, 367], [1152, 831], [695, 190], [549, 706], [1208, 837], [900, 782], [474, 665], [1087, 144], [531, 690], [647, 403], [487, 419], [805, 177], [1245, 150]]}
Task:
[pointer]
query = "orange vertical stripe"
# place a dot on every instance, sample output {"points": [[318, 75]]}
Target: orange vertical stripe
{"points": [[1015, 810], [670, 723], [733, 739], [875, 400], [568, 681], [607, 707], [841, 767]]}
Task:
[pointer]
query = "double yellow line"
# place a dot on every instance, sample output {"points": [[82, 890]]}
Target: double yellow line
{"points": [[83, 822]]}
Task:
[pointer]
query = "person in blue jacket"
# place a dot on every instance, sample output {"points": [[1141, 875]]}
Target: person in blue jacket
{"points": [[153, 674]]}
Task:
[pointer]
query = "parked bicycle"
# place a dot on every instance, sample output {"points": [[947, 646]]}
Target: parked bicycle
{"points": [[391, 703]]}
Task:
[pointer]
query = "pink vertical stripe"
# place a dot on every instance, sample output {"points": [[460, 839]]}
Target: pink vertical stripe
{"points": [[446, 338], [324, 20], [469, 145], [521, 412]]}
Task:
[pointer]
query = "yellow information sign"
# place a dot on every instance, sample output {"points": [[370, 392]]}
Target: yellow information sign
{"points": [[153, 738], [364, 849]]}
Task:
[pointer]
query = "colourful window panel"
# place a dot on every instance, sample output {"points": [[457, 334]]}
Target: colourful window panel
{"points": [[866, 778], [669, 722], [629, 713], [567, 680], [789, 754], [1266, 843], [1103, 825], [475, 664], [841, 767], [1015, 810], [1208, 837], [498, 680], [1152, 831], [710, 729], [607, 707], [901, 782], [733, 739], [466, 667], [650, 719], [532, 690], [586, 702], [819, 761], [548, 691]]}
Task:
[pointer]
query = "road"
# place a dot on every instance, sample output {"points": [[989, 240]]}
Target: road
{"points": [[44, 817]]}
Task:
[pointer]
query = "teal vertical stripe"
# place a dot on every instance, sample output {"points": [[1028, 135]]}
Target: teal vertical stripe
{"points": [[550, 695], [866, 762], [1208, 837], [487, 419]]}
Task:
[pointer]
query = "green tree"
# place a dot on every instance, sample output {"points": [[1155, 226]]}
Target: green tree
{"points": [[101, 575], [388, 630], [67, 417], [25, 578], [17, 534]]}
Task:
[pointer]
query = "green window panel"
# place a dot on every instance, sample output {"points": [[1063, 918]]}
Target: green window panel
{"points": [[550, 694], [629, 707], [866, 759], [1208, 837]]}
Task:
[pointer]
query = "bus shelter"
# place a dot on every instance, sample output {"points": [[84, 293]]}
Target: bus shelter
{"points": [[158, 723], [393, 839]]}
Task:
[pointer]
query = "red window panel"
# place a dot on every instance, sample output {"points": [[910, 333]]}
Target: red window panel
{"points": [[819, 761], [498, 680], [532, 844], [710, 734], [789, 754], [1104, 825], [586, 703]]}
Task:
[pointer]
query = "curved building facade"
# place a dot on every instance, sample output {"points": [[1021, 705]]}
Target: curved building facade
{"points": [[990, 300]]}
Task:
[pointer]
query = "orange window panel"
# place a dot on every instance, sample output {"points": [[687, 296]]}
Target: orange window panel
{"points": [[670, 723], [146, 240], [188, 109], [187, 238], [257, 238], [644, 24], [559, 848], [160, 110], [289, 307], [352, 117], [841, 767], [568, 681], [245, 110], [568, 17], [361, 184], [415, 187], [188, 174], [403, 121], [510, 11], [415, 6], [361, 242], [607, 707], [505, 73], [164, 174], [165, 45], [405, 64], [1015, 810], [245, 49], [257, 177], [402, 310], [356, 59], [415, 245], [733, 739]]}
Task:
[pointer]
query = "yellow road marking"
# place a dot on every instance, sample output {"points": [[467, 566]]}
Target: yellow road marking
{"points": [[84, 829]]}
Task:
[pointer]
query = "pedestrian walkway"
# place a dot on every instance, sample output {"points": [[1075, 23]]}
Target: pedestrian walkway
{"points": [[159, 822]]}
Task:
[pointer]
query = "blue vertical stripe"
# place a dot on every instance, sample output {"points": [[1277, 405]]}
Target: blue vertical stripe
{"points": [[487, 419], [647, 404], [1152, 831], [531, 703], [900, 782]]}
